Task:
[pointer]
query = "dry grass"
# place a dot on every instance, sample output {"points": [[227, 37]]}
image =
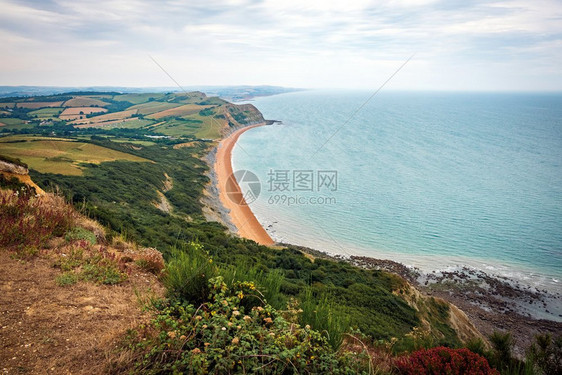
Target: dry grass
{"points": [[109, 117], [83, 101], [35, 105], [78, 112], [53, 156], [183, 110], [51, 329]]}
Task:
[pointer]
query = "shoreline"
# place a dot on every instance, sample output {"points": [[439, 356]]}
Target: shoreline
{"points": [[241, 216], [492, 303]]}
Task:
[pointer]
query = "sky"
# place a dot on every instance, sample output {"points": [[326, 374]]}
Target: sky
{"points": [[461, 45]]}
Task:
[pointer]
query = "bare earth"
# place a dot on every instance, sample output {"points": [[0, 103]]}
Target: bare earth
{"points": [[241, 214], [49, 329]]}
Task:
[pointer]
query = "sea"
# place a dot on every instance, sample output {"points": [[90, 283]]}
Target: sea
{"points": [[433, 180]]}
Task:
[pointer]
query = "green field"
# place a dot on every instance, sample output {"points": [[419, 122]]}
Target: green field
{"points": [[58, 156], [132, 124], [198, 126], [153, 107], [137, 98], [47, 113]]}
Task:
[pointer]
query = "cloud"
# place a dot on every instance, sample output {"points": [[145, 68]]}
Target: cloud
{"points": [[299, 43]]}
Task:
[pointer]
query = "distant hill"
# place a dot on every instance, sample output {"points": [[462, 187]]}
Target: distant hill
{"points": [[235, 93]]}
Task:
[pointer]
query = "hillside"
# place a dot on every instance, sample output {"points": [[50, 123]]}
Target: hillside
{"points": [[162, 114], [138, 170]]}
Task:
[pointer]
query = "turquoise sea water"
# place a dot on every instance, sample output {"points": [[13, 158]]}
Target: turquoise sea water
{"points": [[432, 180]]}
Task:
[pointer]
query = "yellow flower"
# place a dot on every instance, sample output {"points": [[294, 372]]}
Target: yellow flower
{"points": [[235, 340]]}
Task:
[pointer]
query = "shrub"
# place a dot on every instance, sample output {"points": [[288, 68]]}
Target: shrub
{"points": [[443, 360], [151, 261], [82, 262], [188, 273], [30, 221], [79, 233], [66, 279], [221, 337], [321, 314], [545, 354]]}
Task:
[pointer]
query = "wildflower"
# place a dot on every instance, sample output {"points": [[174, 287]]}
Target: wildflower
{"points": [[268, 320], [229, 324], [172, 334], [204, 326], [183, 337], [259, 308], [247, 318], [240, 295], [271, 334], [196, 351], [207, 344], [198, 317], [239, 327], [235, 340], [235, 313], [223, 328], [307, 327]]}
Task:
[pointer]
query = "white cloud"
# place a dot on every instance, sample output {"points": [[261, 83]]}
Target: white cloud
{"points": [[309, 44]]}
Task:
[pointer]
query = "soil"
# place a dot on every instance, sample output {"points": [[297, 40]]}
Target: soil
{"points": [[49, 329]]}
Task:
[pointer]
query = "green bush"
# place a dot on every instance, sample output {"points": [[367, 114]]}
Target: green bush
{"points": [[322, 314], [188, 272], [222, 337], [79, 233], [66, 279]]}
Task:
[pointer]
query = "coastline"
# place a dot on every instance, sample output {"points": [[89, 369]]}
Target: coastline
{"points": [[240, 215]]}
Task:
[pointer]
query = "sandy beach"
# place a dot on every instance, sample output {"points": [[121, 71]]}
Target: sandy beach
{"points": [[240, 214]]}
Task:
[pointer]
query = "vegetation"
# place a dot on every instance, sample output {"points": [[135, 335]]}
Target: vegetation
{"points": [[232, 306], [444, 361]]}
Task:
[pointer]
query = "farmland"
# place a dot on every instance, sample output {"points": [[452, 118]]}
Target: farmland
{"points": [[60, 156], [169, 114]]}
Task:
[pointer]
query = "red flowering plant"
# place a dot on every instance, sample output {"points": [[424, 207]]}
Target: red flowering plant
{"points": [[442, 360]]}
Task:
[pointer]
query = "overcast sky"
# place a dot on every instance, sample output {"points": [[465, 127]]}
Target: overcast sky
{"points": [[458, 44]]}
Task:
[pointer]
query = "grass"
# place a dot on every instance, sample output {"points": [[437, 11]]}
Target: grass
{"points": [[137, 98], [153, 107], [62, 157], [14, 123], [204, 127], [182, 110], [106, 117], [28, 221], [82, 101], [131, 124], [47, 113]]}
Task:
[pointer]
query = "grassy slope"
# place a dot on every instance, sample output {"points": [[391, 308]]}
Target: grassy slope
{"points": [[58, 156], [121, 194]]}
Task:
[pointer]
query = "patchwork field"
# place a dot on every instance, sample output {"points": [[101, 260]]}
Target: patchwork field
{"points": [[47, 113], [173, 114], [83, 101], [109, 117], [153, 107], [73, 113], [59, 156], [138, 98], [182, 110], [128, 123], [34, 105]]}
